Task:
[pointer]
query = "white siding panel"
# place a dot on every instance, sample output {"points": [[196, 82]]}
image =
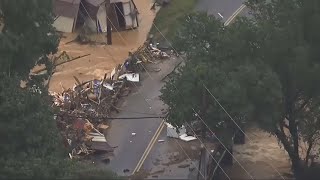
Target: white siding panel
{"points": [[126, 12], [64, 24], [102, 17]]}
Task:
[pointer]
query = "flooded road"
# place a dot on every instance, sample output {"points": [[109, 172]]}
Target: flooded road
{"points": [[262, 157], [103, 58]]}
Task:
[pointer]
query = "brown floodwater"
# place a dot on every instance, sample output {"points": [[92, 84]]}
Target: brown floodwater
{"points": [[103, 58]]}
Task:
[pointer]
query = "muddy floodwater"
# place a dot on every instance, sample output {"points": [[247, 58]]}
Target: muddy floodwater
{"points": [[103, 58], [261, 157]]}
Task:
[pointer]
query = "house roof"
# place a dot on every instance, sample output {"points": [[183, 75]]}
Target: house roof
{"points": [[67, 8]]}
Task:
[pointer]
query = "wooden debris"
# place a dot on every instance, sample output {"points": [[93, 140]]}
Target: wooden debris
{"points": [[102, 127], [85, 107]]}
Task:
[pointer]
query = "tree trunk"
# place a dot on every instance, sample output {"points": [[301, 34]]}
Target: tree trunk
{"points": [[297, 168], [239, 137], [296, 165], [310, 145]]}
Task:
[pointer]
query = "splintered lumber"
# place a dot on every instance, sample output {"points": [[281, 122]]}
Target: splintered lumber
{"points": [[77, 80], [103, 127]]}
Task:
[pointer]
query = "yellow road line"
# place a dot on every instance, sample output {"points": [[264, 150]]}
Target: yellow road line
{"points": [[234, 15], [149, 147], [146, 155], [162, 124]]}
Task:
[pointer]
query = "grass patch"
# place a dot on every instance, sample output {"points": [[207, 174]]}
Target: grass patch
{"points": [[167, 19]]}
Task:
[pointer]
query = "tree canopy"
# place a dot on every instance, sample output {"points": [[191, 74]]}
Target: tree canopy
{"points": [[262, 69], [31, 145], [28, 36]]}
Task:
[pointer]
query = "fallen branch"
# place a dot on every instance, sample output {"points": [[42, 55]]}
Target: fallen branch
{"points": [[45, 68]]}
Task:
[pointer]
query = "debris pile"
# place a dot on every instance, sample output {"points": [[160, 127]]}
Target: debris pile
{"points": [[181, 134], [156, 52], [151, 51], [84, 109]]}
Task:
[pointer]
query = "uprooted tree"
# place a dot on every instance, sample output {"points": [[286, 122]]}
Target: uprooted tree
{"points": [[264, 68], [31, 144]]}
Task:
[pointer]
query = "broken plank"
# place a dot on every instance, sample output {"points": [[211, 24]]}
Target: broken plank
{"points": [[77, 80]]}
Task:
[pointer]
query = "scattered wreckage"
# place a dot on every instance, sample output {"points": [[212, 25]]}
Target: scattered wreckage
{"points": [[180, 134], [83, 110]]}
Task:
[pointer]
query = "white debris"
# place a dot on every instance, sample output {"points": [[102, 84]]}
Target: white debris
{"points": [[69, 141], [220, 15], [133, 134], [97, 137], [133, 77], [160, 140], [36, 24], [172, 132], [187, 138], [113, 72], [108, 86]]}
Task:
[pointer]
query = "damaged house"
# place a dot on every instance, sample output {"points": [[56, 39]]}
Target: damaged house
{"points": [[71, 15]]}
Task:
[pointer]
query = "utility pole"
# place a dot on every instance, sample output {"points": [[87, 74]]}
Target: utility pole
{"points": [[203, 111], [109, 31], [201, 159]]}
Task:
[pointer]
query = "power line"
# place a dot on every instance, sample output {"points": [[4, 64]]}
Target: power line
{"points": [[123, 110], [207, 150], [218, 165], [219, 104], [155, 113], [92, 117], [193, 109], [185, 121]]}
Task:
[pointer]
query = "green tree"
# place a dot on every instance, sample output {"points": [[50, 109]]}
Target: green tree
{"points": [[28, 36], [263, 69], [31, 143]]}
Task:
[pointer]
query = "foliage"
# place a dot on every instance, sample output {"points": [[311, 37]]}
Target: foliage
{"points": [[31, 143], [27, 37], [83, 170], [211, 64], [263, 69], [167, 18], [28, 132]]}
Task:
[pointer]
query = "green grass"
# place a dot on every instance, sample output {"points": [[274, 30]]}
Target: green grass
{"points": [[167, 19]]}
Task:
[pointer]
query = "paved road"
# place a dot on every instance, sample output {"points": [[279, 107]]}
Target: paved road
{"points": [[225, 7], [144, 100]]}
